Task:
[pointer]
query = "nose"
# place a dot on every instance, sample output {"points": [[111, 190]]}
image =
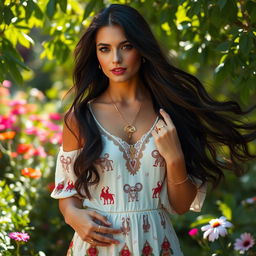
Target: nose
{"points": [[117, 58]]}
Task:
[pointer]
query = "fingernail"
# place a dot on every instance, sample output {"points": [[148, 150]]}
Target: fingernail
{"points": [[161, 110], [109, 223]]}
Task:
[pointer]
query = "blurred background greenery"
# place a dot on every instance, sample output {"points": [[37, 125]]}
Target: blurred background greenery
{"points": [[214, 40]]}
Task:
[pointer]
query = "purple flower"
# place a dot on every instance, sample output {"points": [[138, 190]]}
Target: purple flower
{"points": [[19, 236], [244, 243]]}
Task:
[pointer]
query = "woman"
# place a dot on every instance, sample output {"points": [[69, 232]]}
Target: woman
{"points": [[139, 141]]}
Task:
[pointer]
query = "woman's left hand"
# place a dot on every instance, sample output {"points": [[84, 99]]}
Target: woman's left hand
{"points": [[166, 139]]}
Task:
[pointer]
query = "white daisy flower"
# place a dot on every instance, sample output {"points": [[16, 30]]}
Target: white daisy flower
{"points": [[216, 228], [244, 243]]}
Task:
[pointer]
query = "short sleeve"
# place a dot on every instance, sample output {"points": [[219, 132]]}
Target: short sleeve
{"points": [[65, 177], [195, 206]]}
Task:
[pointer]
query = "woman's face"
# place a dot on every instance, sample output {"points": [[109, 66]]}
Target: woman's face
{"points": [[119, 60]]}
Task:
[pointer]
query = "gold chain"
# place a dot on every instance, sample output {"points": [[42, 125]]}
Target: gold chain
{"points": [[129, 128]]}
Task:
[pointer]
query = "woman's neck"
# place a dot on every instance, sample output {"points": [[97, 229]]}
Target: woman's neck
{"points": [[127, 92]]}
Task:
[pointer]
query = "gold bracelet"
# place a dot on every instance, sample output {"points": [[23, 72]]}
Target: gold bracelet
{"points": [[178, 183]]}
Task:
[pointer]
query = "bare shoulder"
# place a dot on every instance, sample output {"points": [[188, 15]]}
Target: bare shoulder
{"points": [[70, 134]]}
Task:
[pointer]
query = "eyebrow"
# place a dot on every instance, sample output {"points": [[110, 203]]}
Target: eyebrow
{"points": [[123, 42]]}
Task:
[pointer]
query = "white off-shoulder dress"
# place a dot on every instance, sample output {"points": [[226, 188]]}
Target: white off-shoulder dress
{"points": [[132, 194]]}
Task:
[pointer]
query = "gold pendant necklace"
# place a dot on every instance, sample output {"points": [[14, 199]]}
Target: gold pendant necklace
{"points": [[129, 128]]}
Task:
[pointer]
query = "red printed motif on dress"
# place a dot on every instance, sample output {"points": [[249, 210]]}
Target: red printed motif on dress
{"points": [[162, 219], [147, 250], [108, 197], [157, 190], [59, 187], [126, 226], [133, 191], [146, 225], [92, 251], [125, 251], [70, 186], [166, 249], [65, 162], [159, 160], [105, 163]]}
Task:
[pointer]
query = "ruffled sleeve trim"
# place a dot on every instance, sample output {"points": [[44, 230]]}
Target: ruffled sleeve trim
{"points": [[65, 177], [197, 204]]}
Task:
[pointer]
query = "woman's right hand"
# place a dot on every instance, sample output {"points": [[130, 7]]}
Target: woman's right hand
{"points": [[85, 223]]}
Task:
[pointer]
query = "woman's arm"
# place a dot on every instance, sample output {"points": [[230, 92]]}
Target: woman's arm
{"points": [[181, 192], [80, 219]]}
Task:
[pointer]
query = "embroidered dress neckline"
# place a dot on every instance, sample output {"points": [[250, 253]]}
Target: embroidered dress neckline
{"points": [[119, 139]]}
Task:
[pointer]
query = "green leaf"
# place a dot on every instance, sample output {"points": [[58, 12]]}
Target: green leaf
{"points": [[251, 9], [194, 9], [221, 3], [38, 12], [88, 9], [8, 14], [63, 5], [29, 9], [225, 46], [14, 72], [16, 60], [51, 8], [225, 210], [203, 219], [214, 16], [245, 44]]}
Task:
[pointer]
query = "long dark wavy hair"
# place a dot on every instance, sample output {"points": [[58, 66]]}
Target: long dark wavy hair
{"points": [[202, 123]]}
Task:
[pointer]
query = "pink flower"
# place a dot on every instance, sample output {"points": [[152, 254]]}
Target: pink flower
{"points": [[217, 227], [7, 122], [15, 103], [39, 151], [18, 110], [19, 236], [193, 232], [244, 243], [51, 126], [35, 117], [55, 116], [7, 83], [31, 131]]}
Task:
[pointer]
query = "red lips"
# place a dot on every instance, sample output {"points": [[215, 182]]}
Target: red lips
{"points": [[118, 71]]}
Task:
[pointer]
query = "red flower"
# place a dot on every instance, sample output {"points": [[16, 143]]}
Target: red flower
{"points": [[31, 173], [23, 148]]}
